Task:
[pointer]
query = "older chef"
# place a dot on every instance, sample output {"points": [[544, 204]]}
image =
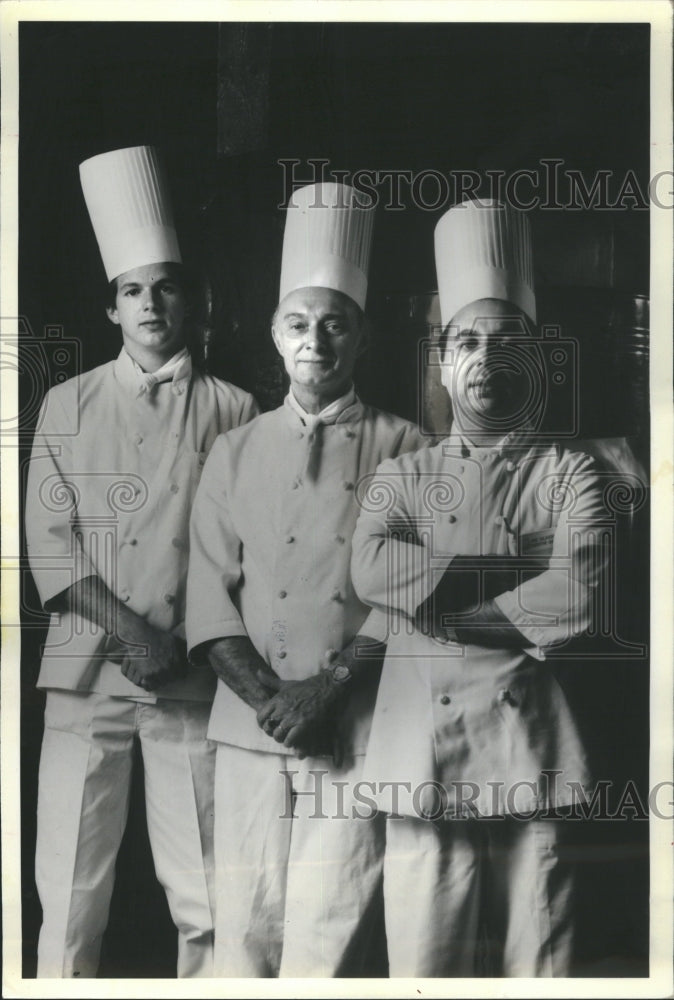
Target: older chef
{"points": [[272, 608], [486, 550], [116, 460]]}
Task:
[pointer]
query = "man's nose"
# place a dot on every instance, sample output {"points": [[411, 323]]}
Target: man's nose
{"points": [[489, 352], [480, 356], [151, 298], [315, 334]]}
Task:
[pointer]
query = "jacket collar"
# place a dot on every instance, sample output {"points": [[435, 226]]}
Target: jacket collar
{"points": [[347, 409], [512, 446], [131, 376]]}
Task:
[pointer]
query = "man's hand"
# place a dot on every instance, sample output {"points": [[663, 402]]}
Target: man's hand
{"points": [[304, 714], [237, 663], [308, 715], [161, 659]]}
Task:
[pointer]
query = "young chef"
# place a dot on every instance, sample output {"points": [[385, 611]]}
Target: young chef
{"points": [[115, 465]]}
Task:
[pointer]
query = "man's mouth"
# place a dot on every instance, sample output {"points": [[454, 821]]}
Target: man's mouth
{"points": [[484, 387], [495, 385], [154, 324]]}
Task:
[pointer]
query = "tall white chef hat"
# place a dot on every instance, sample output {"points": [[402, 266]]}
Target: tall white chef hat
{"points": [[327, 240], [129, 206], [483, 251]]}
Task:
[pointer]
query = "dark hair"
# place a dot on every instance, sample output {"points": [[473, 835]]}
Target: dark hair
{"points": [[178, 273]]}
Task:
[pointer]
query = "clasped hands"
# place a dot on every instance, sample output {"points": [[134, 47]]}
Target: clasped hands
{"points": [[148, 656], [303, 715]]}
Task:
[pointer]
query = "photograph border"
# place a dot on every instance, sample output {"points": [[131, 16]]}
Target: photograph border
{"points": [[659, 13]]}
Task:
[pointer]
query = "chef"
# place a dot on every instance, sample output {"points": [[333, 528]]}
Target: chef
{"points": [[116, 460], [272, 608], [488, 556]]}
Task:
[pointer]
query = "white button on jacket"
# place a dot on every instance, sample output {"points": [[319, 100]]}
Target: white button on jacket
{"points": [[244, 578], [490, 718], [99, 504]]}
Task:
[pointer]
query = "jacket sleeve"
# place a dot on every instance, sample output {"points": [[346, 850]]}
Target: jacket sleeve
{"points": [[215, 555], [558, 604], [230, 417], [375, 550], [393, 566], [391, 563], [56, 557]]}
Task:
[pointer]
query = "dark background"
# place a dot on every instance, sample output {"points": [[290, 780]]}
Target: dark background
{"points": [[224, 103]]}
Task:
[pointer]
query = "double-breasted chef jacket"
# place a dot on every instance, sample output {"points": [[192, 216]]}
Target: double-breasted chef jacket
{"points": [[271, 532], [114, 469], [483, 723], [112, 478], [271, 549]]}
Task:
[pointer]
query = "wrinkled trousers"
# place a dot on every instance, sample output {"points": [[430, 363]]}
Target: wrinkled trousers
{"points": [[465, 897], [298, 877], [83, 802]]}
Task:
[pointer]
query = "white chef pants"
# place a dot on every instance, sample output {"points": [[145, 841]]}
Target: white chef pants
{"points": [[83, 802], [500, 881], [296, 893]]}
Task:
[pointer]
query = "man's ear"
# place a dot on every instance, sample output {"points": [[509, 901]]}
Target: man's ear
{"points": [[112, 314], [446, 359], [275, 338]]}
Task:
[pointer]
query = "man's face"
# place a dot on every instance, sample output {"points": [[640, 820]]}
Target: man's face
{"points": [[150, 307], [490, 367], [317, 332]]}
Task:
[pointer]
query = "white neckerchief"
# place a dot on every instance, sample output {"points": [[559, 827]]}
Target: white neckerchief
{"points": [[330, 414], [314, 422], [173, 368]]}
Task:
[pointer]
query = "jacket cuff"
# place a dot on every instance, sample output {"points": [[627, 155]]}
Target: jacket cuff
{"points": [[226, 628]]}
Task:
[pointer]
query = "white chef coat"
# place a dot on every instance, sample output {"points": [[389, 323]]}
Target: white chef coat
{"points": [[112, 477], [271, 545], [491, 717], [270, 551]]}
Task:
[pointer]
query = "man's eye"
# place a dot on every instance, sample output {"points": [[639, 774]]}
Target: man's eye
{"points": [[168, 289], [468, 343], [296, 326], [131, 291]]}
